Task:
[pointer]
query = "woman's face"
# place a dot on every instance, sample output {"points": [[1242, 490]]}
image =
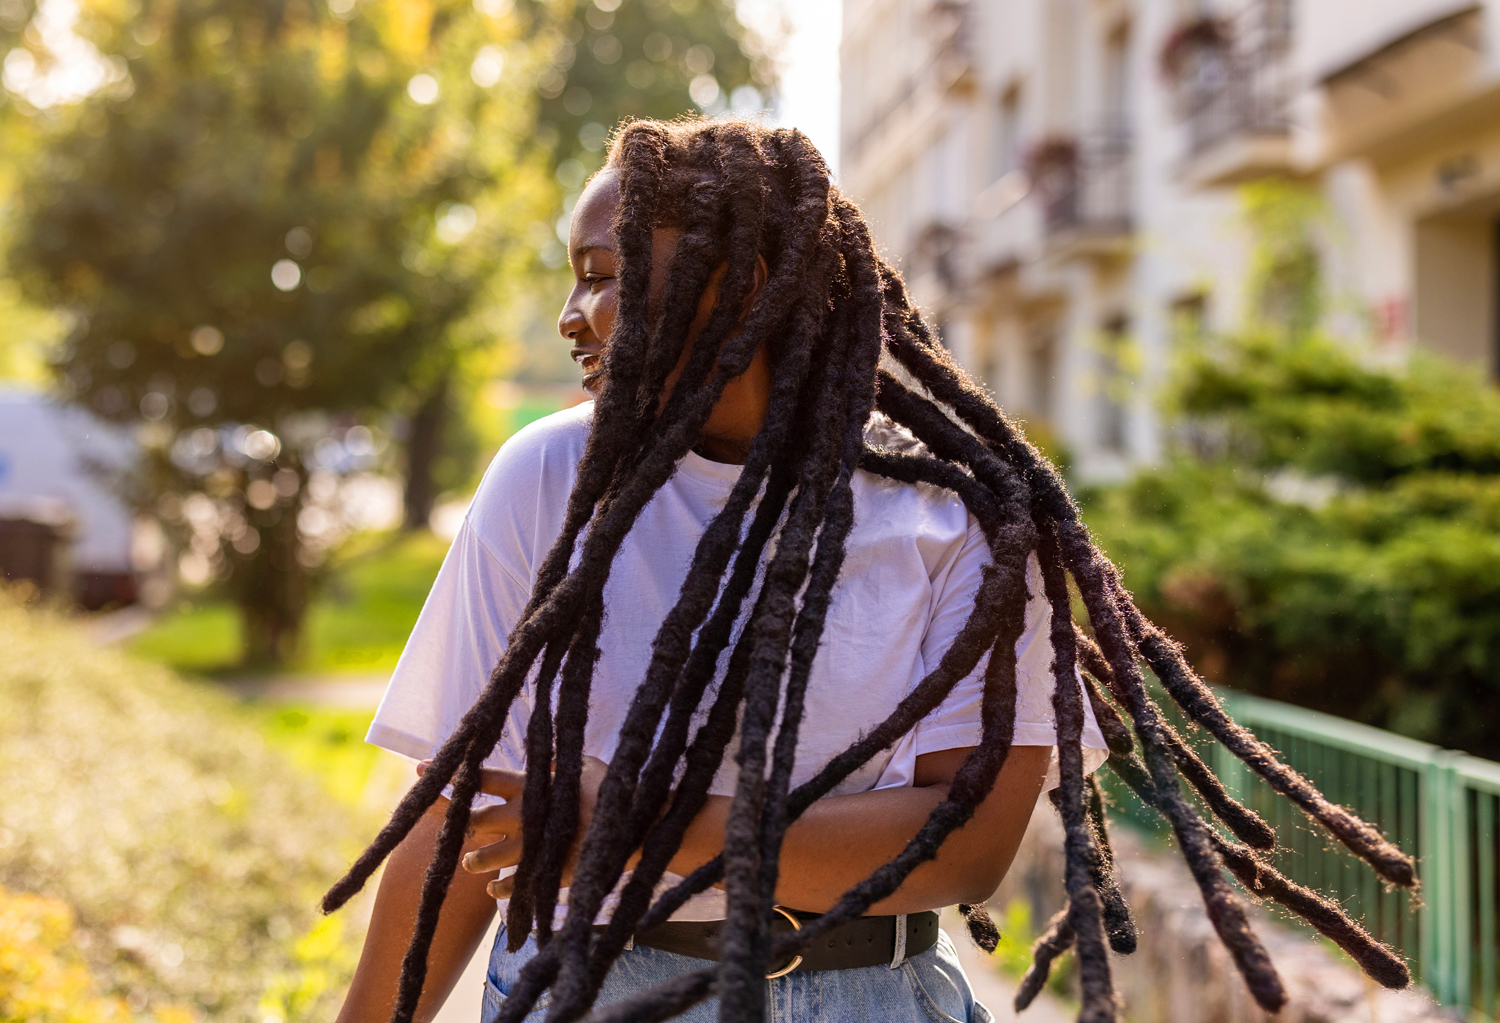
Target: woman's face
{"points": [[588, 318]]}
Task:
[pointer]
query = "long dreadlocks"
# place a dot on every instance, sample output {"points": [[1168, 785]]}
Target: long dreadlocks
{"points": [[845, 343]]}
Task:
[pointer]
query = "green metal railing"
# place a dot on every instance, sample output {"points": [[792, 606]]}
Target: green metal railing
{"points": [[1440, 806]]}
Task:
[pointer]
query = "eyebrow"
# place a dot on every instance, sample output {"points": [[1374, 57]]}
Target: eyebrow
{"points": [[591, 248]]}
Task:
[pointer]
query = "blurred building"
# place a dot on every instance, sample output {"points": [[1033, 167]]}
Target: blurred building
{"points": [[63, 525], [1056, 178]]}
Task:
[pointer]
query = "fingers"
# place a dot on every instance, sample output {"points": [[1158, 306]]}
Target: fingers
{"points": [[502, 887], [492, 857]]}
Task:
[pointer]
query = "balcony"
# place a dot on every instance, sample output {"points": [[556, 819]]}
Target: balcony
{"points": [[1085, 188], [947, 66], [1236, 87]]}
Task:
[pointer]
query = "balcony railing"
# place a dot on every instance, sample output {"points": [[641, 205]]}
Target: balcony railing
{"points": [[1440, 806], [1085, 185], [1244, 89]]}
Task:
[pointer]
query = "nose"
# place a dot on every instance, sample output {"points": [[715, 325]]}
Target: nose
{"points": [[571, 323]]}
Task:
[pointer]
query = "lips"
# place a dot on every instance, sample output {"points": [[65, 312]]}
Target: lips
{"points": [[588, 359]]}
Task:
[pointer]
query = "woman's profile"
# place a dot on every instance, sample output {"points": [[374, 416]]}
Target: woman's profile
{"points": [[736, 675]]}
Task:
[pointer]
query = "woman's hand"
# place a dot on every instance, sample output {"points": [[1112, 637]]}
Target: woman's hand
{"points": [[501, 825]]}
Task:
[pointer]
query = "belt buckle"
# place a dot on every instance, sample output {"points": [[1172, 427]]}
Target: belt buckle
{"points": [[797, 960]]}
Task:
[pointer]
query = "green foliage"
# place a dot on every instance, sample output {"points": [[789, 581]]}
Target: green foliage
{"points": [[328, 743], [612, 60], [279, 214], [1012, 955], [191, 854], [1328, 533], [358, 622]]}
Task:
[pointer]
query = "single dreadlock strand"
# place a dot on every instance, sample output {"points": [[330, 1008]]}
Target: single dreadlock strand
{"points": [[538, 784], [1262, 879], [449, 844], [1246, 824], [1118, 924], [563, 797], [1113, 727], [1055, 940], [1225, 911], [662, 1002], [1259, 878], [1085, 911], [1198, 701]]}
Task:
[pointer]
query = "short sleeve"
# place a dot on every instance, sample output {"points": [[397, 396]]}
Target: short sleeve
{"points": [[459, 636], [956, 722]]}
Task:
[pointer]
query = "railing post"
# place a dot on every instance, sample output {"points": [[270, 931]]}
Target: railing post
{"points": [[1445, 951]]}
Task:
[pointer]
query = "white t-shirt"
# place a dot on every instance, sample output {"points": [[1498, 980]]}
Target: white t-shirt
{"points": [[913, 564]]}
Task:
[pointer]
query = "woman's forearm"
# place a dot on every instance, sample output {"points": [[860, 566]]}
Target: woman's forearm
{"points": [[466, 913], [841, 840]]}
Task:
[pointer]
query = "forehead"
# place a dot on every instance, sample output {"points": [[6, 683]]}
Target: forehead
{"points": [[594, 214]]}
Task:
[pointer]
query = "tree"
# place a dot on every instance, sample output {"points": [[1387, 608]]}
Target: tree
{"points": [[602, 62], [278, 216], [1327, 531]]}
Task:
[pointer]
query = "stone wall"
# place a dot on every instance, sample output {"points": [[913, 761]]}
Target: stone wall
{"points": [[1181, 973]]}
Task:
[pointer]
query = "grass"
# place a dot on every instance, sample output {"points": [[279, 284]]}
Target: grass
{"points": [[185, 838], [358, 623], [328, 743]]}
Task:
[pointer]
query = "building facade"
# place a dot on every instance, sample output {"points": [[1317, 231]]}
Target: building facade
{"points": [[1058, 181]]}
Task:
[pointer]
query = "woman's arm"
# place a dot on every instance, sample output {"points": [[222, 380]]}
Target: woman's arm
{"points": [[466, 913], [839, 840]]}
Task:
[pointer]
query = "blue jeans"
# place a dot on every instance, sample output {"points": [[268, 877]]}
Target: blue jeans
{"points": [[927, 988]]}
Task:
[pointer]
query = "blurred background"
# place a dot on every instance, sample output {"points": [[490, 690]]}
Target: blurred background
{"points": [[278, 277]]}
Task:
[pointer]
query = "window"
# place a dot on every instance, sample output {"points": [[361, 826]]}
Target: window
{"points": [[1115, 101], [1041, 359], [1189, 315], [1114, 384], [1006, 156]]}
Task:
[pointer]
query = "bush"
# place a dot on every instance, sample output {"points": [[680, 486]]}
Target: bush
{"points": [[192, 855], [1327, 533]]}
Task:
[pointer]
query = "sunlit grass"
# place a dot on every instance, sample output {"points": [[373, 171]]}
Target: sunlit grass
{"points": [[328, 743], [358, 622], [189, 835]]}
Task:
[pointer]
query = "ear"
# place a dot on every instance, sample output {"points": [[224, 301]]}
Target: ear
{"points": [[762, 274]]}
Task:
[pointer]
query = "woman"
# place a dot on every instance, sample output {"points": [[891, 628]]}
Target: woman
{"points": [[782, 650]]}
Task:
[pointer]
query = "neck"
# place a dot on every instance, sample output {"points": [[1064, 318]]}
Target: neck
{"points": [[724, 449]]}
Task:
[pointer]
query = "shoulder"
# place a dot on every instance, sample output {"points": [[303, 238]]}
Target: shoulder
{"points": [[881, 432], [528, 481], [545, 447], [933, 518]]}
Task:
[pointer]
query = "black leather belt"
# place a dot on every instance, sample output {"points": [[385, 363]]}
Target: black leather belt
{"points": [[865, 941]]}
